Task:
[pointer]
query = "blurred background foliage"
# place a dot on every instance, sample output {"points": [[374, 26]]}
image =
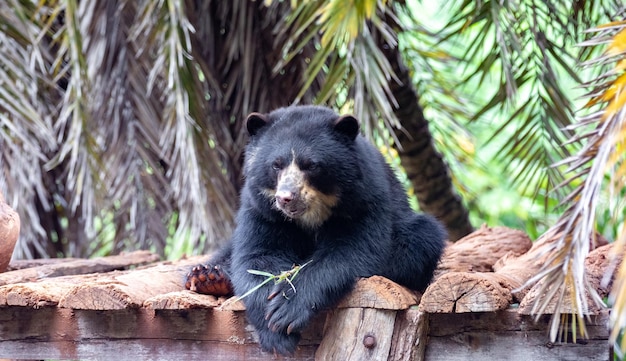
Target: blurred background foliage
{"points": [[121, 121], [145, 90], [500, 83]]}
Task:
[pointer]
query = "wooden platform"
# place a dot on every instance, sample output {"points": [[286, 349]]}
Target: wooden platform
{"points": [[133, 307]]}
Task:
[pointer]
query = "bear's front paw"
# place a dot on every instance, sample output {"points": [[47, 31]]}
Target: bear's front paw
{"points": [[210, 280], [278, 343], [286, 310]]}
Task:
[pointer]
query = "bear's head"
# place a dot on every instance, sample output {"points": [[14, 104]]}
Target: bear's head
{"points": [[300, 160]]}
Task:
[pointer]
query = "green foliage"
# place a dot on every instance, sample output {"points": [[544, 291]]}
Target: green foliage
{"points": [[498, 83], [349, 59]]}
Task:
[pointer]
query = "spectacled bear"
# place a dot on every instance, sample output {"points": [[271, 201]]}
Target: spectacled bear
{"points": [[316, 193]]}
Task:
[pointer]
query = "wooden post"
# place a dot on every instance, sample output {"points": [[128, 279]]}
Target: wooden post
{"points": [[374, 323], [357, 334]]}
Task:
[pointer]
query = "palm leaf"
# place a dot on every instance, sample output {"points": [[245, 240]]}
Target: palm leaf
{"points": [[111, 109], [531, 43], [348, 35], [27, 136]]}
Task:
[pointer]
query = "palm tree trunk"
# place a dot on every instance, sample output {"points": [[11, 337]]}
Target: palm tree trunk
{"points": [[424, 165]]}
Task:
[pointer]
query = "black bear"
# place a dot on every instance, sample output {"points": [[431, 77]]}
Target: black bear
{"points": [[316, 193]]}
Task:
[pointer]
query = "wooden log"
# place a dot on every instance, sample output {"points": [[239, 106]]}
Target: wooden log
{"points": [[380, 293], [136, 334], [46, 292], [601, 265], [526, 306], [79, 266], [182, 300], [481, 249], [510, 277], [18, 264], [49, 291], [481, 291], [9, 232], [50, 285], [515, 272], [115, 291], [458, 292]]}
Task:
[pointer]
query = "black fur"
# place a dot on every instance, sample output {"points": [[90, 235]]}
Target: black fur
{"points": [[371, 230]]}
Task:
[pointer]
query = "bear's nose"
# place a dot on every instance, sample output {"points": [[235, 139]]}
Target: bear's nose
{"points": [[283, 197]]}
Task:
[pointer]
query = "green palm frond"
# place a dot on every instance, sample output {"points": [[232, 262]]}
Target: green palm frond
{"points": [[526, 46], [349, 63], [448, 108], [604, 133]]}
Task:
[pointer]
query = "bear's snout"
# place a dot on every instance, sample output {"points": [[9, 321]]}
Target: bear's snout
{"points": [[284, 197], [290, 203]]}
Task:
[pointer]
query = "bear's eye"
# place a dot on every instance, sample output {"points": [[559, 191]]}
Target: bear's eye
{"points": [[309, 166], [277, 165]]}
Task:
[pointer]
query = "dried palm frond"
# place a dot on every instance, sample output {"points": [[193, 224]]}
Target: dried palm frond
{"points": [[108, 120], [162, 33], [604, 133], [29, 105]]}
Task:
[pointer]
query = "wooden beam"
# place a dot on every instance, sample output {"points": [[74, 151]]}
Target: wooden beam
{"points": [[115, 291], [132, 334], [78, 266], [506, 335]]}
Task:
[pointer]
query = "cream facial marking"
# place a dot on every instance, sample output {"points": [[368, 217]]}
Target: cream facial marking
{"points": [[289, 186], [297, 199]]}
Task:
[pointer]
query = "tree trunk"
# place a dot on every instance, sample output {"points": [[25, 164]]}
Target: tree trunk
{"points": [[424, 166]]}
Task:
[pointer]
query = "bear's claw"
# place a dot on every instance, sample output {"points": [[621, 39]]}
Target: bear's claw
{"points": [[209, 280]]}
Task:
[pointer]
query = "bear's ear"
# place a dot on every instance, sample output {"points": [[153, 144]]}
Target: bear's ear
{"points": [[255, 122], [347, 125]]}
